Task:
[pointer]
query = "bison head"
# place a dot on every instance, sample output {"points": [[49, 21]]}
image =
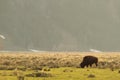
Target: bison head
{"points": [[82, 65]]}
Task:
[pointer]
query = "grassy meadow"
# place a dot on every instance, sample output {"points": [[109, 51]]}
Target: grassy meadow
{"points": [[57, 66]]}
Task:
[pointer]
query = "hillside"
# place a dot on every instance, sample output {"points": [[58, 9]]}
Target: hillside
{"points": [[60, 25]]}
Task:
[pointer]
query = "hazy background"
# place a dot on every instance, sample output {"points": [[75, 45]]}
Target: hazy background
{"points": [[60, 25]]}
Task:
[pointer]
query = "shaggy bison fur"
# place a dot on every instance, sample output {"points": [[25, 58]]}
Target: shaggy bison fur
{"points": [[89, 60]]}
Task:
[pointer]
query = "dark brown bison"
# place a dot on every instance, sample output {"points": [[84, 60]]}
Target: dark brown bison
{"points": [[89, 60]]}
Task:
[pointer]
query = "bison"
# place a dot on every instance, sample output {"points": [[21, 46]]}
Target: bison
{"points": [[89, 60]]}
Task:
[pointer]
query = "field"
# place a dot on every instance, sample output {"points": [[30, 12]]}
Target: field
{"points": [[57, 66]]}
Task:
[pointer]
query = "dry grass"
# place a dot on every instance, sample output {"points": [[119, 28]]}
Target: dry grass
{"points": [[57, 65], [36, 61]]}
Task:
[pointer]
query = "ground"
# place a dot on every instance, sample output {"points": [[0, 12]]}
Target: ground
{"points": [[57, 66], [71, 74]]}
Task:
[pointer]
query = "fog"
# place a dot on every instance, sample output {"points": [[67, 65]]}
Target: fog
{"points": [[60, 25]]}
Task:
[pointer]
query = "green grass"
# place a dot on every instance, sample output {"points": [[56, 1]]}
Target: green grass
{"points": [[70, 74]]}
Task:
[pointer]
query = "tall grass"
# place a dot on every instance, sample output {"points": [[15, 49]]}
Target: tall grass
{"points": [[36, 61]]}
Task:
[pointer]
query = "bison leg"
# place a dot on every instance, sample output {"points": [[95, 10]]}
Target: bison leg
{"points": [[90, 65], [87, 65], [96, 64]]}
